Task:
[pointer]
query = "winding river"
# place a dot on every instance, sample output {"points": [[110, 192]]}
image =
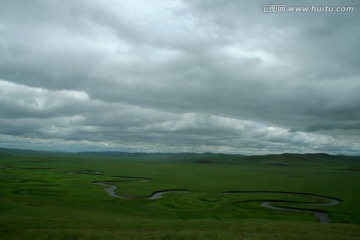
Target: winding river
{"points": [[319, 200], [110, 189]]}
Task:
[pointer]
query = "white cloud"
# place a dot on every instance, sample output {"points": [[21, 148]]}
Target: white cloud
{"points": [[37, 101]]}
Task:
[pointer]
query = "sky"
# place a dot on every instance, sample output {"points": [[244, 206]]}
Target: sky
{"points": [[218, 76]]}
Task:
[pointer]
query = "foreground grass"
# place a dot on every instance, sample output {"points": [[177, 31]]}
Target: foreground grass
{"points": [[178, 229]]}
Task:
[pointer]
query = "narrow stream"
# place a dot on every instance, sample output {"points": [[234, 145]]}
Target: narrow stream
{"points": [[320, 200], [110, 189]]}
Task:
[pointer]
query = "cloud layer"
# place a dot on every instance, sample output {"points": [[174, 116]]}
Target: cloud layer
{"points": [[179, 76]]}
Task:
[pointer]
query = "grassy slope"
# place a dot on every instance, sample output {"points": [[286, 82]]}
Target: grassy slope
{"points": [[39, 199]]}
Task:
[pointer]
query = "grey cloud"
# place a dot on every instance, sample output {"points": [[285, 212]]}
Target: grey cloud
{"points": [[171, 74]]}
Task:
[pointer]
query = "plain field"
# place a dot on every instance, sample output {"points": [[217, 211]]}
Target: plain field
{"points": [[53, 196]]}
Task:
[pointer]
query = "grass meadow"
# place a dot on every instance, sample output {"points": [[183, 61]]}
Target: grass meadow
{"points": [[46, 195]]}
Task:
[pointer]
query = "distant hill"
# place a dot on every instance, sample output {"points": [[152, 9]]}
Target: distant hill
{"points": [[283, 159]]}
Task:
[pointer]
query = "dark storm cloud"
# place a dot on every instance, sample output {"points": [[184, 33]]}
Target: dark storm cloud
{"points": [[180, 76], [317, 74]]}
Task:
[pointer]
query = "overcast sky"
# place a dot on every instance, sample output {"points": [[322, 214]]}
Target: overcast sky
{"points": [[179, 76]]}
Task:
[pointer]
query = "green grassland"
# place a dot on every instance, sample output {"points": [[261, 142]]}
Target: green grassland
{"points": [[53, 196]]}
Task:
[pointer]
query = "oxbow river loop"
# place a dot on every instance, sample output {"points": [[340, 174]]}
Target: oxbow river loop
{"points": [[318, 200]]}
